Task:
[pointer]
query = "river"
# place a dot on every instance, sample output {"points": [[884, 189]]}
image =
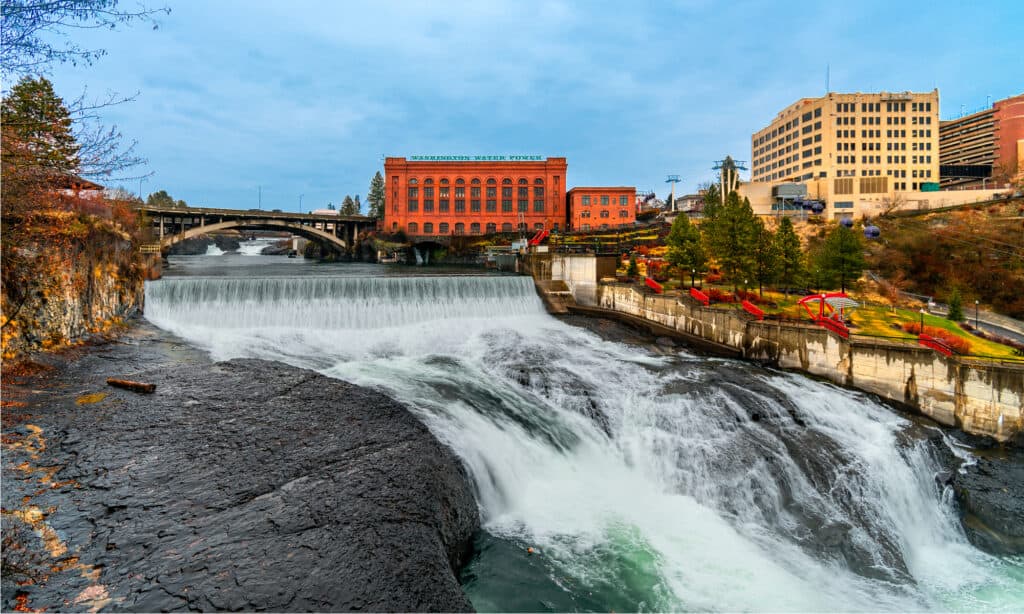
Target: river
{"points": [[645, 478]]}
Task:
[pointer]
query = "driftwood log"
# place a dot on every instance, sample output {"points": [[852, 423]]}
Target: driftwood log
{"points": [[130, 385]]}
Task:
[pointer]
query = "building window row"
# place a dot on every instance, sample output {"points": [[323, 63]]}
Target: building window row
{"points": [[539, 181], [460, 228]]}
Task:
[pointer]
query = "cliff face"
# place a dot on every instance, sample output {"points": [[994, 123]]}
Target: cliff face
{"points": [[83, 278]]}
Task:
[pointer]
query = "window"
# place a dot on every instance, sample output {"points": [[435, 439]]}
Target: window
{"points": [[460, 228], [491, 228], [524, 205], [817, 112], [428, 205], [524, 192], [585, 227], [460, 205], [538, 226], [444, 191], [428, 228], [585, 200], [414, 206], [460, 181], [412, 181], [492, 205], [491, 181], [414, 192], [623, 213], [506, 192], [604, 200], [413, 228], [623, 200], [538, 206], [584, 214], [474, 205], [442, 205], [506, 227], [475, 181], [444, 182], [474, 228], [538, 192], [428, 181], [474, 192], [506, 181], [492, 192], [443, 229], [604, 226], [523, 181], [460, 192], [428, 192], [506, 205]]}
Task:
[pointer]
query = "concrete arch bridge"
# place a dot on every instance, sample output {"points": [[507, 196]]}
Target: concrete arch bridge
{"points": [[335, 232]]}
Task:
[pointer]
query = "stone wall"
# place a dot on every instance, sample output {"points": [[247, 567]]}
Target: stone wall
{"points": [[982, 398]]}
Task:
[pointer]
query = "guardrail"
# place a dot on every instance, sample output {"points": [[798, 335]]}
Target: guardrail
{"points": [[753, 309], [653, 285], [936, 344], [837, 327], [700, 296]]}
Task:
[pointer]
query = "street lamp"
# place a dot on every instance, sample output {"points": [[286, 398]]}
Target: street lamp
{"points": [[975, 314], [693, 275]]}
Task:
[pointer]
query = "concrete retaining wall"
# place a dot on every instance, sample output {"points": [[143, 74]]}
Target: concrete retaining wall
{"points": [[980, 398]]}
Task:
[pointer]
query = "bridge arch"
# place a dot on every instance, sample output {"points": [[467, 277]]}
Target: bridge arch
{"points": [[313, 234]]}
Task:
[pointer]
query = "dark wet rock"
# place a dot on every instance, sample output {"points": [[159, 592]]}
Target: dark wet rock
{"points": [[665, 342], [248, 485], [989, 495], [226, 243], [195, 246], [281, 248]]}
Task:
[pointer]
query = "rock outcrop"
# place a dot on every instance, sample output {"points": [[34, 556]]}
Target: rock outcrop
{"points": [[248, 485]]}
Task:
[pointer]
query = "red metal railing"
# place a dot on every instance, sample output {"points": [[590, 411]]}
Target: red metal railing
{"points": [[936, 344], [835, 326], [753, 310], [653, 285], [700, 296]]}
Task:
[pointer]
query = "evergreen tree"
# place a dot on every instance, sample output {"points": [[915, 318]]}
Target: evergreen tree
{"points": [[956, 308], [841, 258], [160, 199], [376, 197], [729, 235], [632, 270], [358, 206], [766, 256], [37, 117], [685, 249], [791, 260], [348, 206]]}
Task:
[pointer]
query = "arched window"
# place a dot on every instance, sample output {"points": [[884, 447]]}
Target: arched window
{"points": [[394, 226], [413, 181], [460, 181], [476, 181], [522, 226], [474, 228], [428, 181], [538, 181], [491, 228], [413, 228], [460, 228], [538, 226], [428, 228], [491, 181], [506, 181], [443, 229], [523, 181], [506, 227], [444, 182]]}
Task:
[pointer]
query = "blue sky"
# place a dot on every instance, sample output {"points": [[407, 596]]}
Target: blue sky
{"points": [[306, 97]]}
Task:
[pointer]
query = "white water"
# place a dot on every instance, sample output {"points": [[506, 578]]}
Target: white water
{"points": [[253, 247], [582, 446], [213, 250]]}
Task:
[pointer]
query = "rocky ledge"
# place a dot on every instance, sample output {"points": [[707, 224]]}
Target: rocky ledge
{"points": [[243, 485]]}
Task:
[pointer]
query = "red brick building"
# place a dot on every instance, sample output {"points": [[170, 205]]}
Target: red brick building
{"points": [[468, 195], [595, 208]]}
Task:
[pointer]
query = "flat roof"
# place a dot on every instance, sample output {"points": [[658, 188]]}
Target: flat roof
{"points": [[606, 187]]}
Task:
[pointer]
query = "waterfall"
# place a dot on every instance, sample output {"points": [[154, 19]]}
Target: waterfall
{"points": [[648, 481]]}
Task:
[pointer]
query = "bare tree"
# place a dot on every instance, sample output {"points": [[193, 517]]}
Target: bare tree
{"points": [[27, 38]]}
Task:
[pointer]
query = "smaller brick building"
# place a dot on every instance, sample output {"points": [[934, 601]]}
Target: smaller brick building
{"points": [[600, 208]]}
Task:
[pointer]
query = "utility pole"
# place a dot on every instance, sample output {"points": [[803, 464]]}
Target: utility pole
{"points": [[259, 200], [300, 202]]}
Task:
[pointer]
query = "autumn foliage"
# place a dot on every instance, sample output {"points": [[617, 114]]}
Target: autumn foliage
{"points": [[955, 343]]}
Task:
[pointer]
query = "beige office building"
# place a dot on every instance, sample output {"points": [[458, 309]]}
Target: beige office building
{"points": [[852, 150]]}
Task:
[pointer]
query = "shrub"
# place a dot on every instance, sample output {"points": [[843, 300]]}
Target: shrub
{"points": [[720, 296], [753, 297], [713, 278]]}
